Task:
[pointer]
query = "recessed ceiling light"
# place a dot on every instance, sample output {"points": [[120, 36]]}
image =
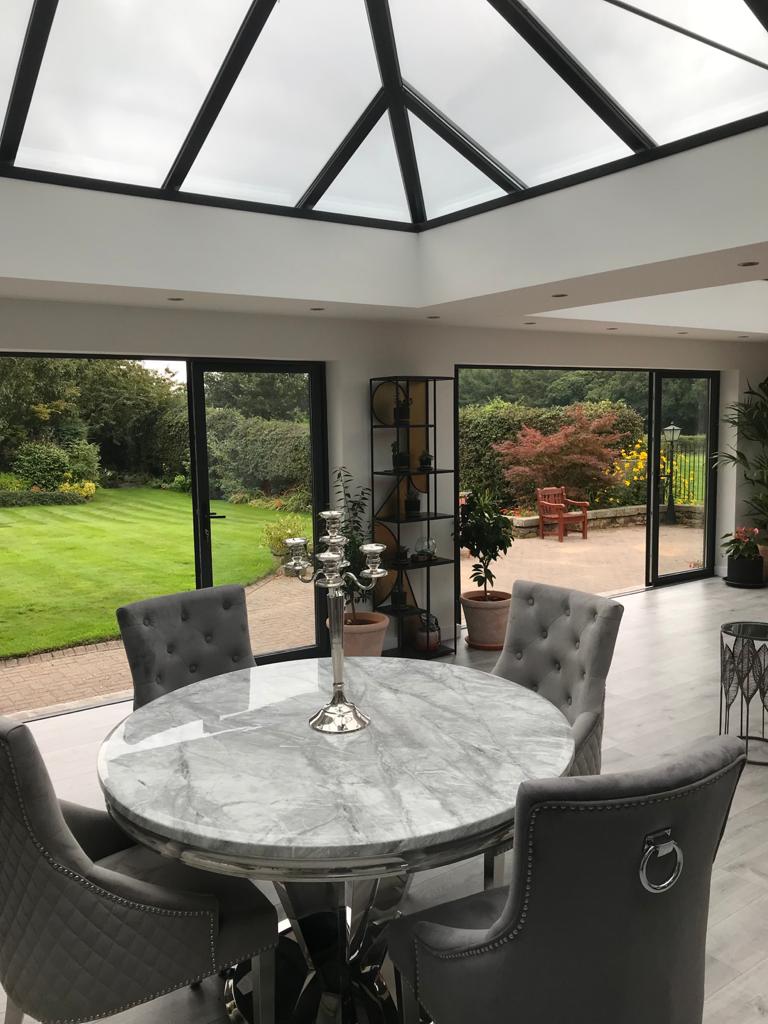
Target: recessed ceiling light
{"points": [[559, 295], [611, 328], [316, 309], [529, 323], [749, 263], [175, 298], [743, 337], [433, 316], [682, 332]]}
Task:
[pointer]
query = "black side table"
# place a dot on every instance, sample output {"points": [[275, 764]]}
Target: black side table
{"points": [[744, 671]]}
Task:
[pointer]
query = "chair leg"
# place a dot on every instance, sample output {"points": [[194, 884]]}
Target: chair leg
{"points": [[263, 974], [13, 1013], [408, 1011], [560, 530], [493, 870]]}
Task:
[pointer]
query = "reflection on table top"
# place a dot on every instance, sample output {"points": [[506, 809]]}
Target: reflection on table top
{"points": [[230, 766]]}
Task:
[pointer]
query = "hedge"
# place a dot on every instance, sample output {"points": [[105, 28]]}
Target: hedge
{"points": [[481, 426], [15, 499], [249, 454]]}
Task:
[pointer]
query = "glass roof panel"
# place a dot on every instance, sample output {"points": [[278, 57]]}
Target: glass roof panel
{"points": [[471, 64], [448, 181], [14, 16], [673, 85], [121, 83], [311, 74], [371, 184], [729, 22]]}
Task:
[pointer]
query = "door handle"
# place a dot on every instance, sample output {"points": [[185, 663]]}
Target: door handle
{"points": [[216, 515]]}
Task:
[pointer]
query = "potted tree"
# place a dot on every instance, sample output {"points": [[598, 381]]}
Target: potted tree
{"points": [[750, 418], [486, 534], [745, 563], [363, 630]]}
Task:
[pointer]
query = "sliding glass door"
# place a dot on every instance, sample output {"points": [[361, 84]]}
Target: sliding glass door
{"points": [[681, 499], [259, 476]]}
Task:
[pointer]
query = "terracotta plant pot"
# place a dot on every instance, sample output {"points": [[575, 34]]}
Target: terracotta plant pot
{"points": [[486, 620], [365, 638]]}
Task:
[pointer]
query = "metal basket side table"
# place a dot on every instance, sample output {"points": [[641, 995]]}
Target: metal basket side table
{"points": [[744, 673]]}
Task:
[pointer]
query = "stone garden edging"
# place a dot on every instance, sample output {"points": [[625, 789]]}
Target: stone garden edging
{"points": [[611, 518]]}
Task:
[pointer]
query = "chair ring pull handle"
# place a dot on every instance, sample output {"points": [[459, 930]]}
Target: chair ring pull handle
{"points": [[660, 844]]}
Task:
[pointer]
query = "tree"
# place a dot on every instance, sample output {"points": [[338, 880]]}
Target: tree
{"points": [[267, 396], [577, 456], [38, 400]]}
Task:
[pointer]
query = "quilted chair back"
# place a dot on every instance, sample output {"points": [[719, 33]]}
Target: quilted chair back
{"points": [[560, 643], [178, 639], [73, 947]]}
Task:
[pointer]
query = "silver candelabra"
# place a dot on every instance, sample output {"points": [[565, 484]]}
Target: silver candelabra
{"points": [[340, 715]]}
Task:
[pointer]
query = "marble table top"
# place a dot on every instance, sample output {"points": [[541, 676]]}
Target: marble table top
{"points": [[230, 766]]}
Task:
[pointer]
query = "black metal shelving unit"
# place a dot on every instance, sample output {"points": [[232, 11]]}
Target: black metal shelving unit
{"points": [[404, 411]]}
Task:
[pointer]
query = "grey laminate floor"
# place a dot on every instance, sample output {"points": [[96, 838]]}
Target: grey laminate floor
{"points": [[662, 692]]}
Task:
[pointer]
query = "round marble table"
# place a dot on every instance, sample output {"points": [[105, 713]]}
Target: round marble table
{"points": [[227, 775]]}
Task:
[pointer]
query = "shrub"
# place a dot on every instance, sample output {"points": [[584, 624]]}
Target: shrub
{"points": [[483, 426], [239, 498], [251, 454], [486, 534], [84, 460], [283, 527], [16, 499], [578, 456], [41, 464], [85, 488], [11, 482], [298, 499]]}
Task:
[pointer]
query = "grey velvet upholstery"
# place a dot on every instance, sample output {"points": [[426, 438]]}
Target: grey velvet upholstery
{"points": [[576, 937], [177, 639], [91, 924], [560, 643]]}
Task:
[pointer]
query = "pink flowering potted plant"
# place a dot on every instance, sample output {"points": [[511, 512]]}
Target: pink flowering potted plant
{"points": [[745, 563]]}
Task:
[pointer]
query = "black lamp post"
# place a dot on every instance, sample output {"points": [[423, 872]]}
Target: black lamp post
{"points": [[671, 434]]}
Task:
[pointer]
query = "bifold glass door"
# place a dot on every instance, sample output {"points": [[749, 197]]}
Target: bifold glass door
{"points": [[681, 496], [259, 476]]}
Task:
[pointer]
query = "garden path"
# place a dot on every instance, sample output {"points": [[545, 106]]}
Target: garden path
{"points": [[280, 613]]}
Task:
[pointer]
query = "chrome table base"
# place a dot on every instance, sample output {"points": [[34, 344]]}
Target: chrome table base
{"points": [[329, 963]]}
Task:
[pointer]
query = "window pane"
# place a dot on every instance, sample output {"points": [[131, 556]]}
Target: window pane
{"points": [[308, 79], [726, 21], [449, 182], [121, 83], [371, 184], [468, 61], [672, 85], [14, 15]]}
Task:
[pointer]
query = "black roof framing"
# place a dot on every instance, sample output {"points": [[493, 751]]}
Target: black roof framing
{"points": [[450, 132], [686, 32], [27, 70], [346, 148], [573, 73], [396, 97], [383, 34], [228, 73]]}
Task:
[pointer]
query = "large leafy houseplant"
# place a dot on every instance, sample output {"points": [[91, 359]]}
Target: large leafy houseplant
{"points": [[486, 534], [750, 418]]}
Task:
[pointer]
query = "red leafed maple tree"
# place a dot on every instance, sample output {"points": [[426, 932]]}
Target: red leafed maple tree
{"points": [[576, 457]]}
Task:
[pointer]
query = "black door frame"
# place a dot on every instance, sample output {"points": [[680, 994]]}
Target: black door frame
{"points": [[652, 491], [652, 518], [198, 447]]}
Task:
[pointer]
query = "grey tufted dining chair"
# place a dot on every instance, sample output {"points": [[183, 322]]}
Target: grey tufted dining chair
{"points": [[560, 643], [605, 918], [91, 924], [178, 639]]}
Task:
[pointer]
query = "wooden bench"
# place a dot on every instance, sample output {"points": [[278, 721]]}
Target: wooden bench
{"points": [[561, 512]]}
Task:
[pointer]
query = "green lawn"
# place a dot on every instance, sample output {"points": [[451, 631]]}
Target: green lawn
{"points": [[64, 569]]}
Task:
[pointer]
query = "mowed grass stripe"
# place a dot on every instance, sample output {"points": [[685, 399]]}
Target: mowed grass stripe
{"points": [[66, 568]]}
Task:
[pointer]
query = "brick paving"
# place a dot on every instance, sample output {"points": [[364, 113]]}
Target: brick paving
{"points": [[281, 615]]}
